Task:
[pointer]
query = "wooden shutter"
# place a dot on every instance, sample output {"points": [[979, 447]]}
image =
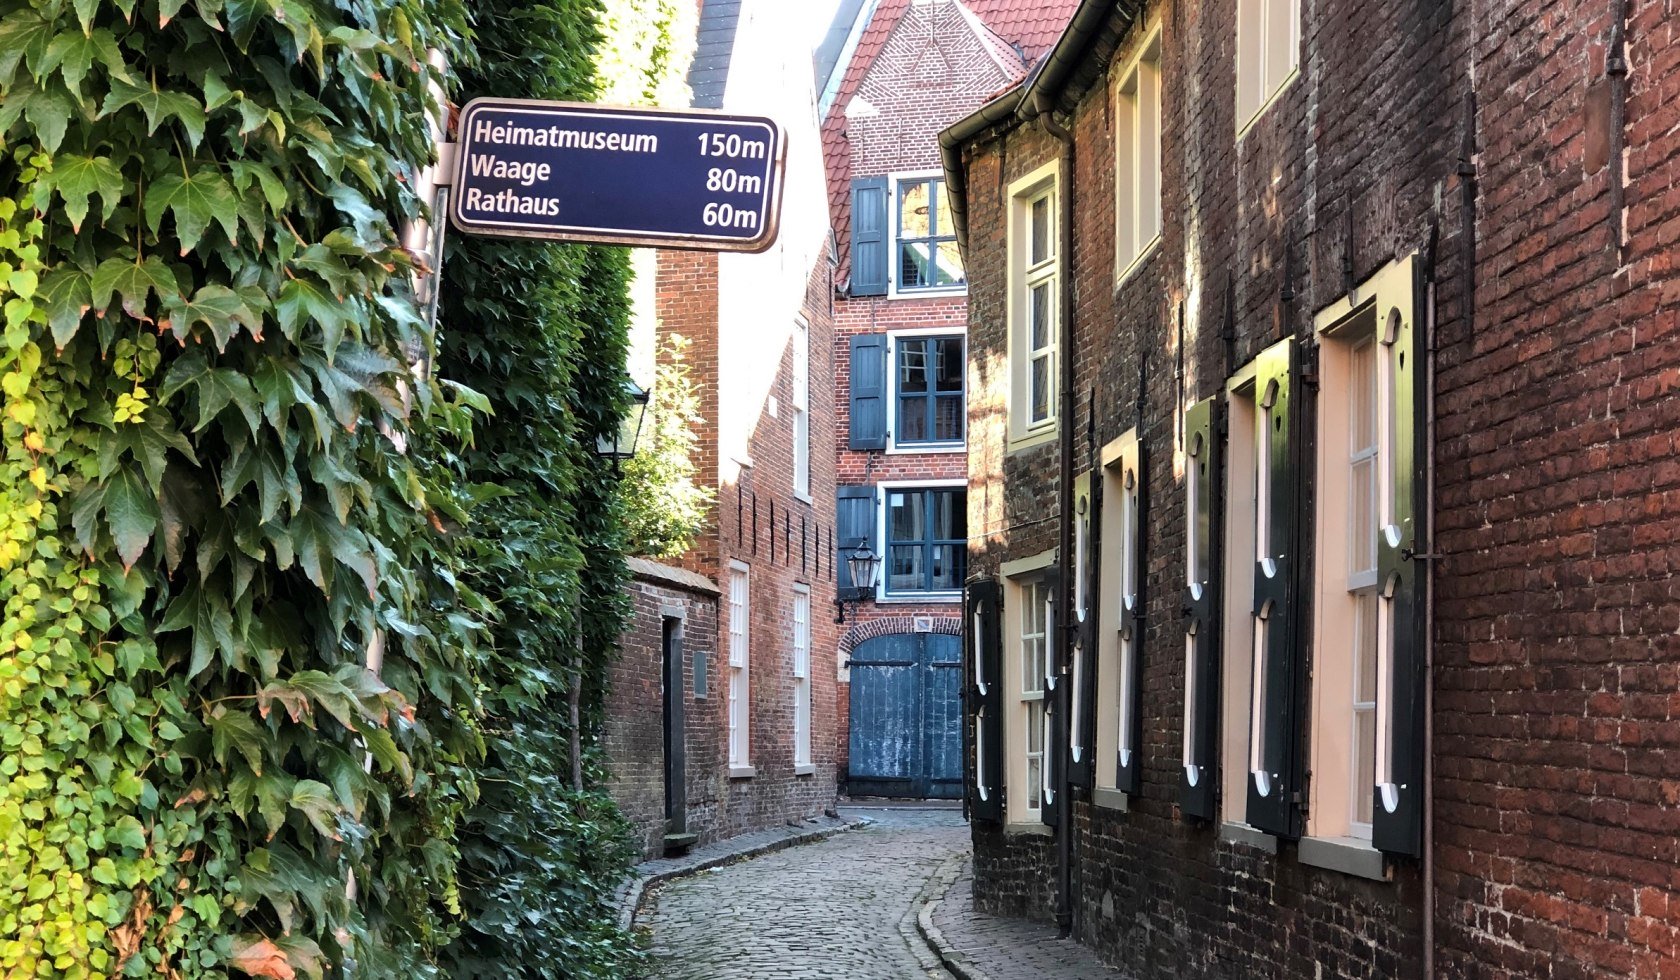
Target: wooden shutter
{"points": [[1083, 687], [1199, 775], [983, 692], [1055, 748], [1397, 821], [869, 237], [1272, 803], [856, 527], [1129, 771], [869, 391]]}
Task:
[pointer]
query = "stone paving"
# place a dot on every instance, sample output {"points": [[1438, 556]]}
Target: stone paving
{"points": [[873, 903], [994, 948], [841, 908]]}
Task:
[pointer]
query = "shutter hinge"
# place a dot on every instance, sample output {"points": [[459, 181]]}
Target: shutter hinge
{"points": [[1407, 554]]}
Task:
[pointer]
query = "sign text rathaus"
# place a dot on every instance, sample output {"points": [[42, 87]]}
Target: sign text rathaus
{"points": [[589, 173]]}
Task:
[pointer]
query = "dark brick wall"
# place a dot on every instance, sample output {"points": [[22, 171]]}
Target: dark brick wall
{"points": [[1366, 129], [1558, 718], [634, 734]]}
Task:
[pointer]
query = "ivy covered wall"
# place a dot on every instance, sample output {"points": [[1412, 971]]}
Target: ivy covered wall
{"points": [[225, 492]]}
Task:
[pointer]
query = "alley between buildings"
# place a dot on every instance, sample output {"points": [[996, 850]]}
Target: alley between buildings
{"points": [[847, 907]]}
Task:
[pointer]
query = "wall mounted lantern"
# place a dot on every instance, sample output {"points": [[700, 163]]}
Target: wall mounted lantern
{"points": [[865, 568]]}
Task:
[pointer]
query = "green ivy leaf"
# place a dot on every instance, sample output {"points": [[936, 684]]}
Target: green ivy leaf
{"points": [[66, 296], [236, 731], [195, 200], [127, 832], [158, 105], [76, 179], [24, 37], [215, 387], [303, 300], [131, 514], [315, 801], [221, 310], [73, 55], [85, 9], [134, 282], [206, 615]]}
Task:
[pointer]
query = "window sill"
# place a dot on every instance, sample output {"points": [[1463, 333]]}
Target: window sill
{"points": [[943, 293], [742, 772], [1242, 833], [1345, 854], [804, 498], [1032, 439], [1030, 829], [919, 598], [926, 448], [808, 769], [1111, 799], [1135, 263], [1246, 126]]}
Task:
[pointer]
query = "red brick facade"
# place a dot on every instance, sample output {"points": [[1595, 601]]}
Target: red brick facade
{"points": [[1551, 850]]}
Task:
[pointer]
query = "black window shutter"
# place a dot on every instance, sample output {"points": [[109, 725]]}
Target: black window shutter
{"points": [[1199, 776], [1129, 770], [869, 391], [1397, 822], [1271, 794], [854, 520], [983, 697], [1087, 503], [869, 236], [1055, 749]]}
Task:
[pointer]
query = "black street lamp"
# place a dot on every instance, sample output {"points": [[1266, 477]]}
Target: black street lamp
{"points": [[620, 444], [865, 568]]}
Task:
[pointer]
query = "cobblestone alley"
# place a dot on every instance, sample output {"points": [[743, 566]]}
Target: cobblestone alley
{"points": [[846, 908]]}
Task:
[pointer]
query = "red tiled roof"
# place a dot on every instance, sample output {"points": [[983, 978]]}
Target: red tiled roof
{"points": [[1033, 24]]}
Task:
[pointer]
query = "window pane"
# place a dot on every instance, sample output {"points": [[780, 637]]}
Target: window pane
{"points": [[950, 563], [908, 519], [950, 515], [907, 573], [950, 264], [942, 223], [1041, 244], [948, 419], [1365, 656], [1039, 316], [912, 366], [1362, 516], [1034, 777], [913, 419], [948, 364], [913, 210], [1041, 388], [1362, 396], [913, 271]]}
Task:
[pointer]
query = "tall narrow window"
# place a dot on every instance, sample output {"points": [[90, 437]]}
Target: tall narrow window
{"points": [[739, 701], [928, 391], [1033, 649], [801, 675], [1120, 618], [1033, 305], [1137, 149], [1128, 639], [801, 408], [1362, 526], [926, 234], [1268, 49]]}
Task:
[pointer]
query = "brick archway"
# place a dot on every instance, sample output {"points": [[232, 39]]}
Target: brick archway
{"points": [[948, 625]]}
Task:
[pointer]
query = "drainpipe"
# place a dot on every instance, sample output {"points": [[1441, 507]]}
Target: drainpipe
{"points": [[1064, 606]]}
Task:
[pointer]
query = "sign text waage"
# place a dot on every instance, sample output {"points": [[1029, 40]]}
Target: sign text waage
{"points": [[588, 173]]}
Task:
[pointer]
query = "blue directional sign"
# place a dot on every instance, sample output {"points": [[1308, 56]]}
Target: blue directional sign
{"points": [[587, 173]]}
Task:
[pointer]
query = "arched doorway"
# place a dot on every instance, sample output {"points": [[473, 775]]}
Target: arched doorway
{"points": [[906, 717]]}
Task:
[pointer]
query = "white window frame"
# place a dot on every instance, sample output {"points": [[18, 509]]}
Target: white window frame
{"points": [[917, 448], [1121, 579], [802, 409], [739, 707], [1023, 580], [883, 517], [893, 223], [802, 762], [1025, 433], [1138, 186], [1268, 56], [1240, 660], [1370, 307]]}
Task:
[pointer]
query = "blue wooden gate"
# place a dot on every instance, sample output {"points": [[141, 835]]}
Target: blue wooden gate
{"points": [[906, 738]]}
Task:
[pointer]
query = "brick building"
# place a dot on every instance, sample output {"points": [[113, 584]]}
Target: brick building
{"points": [[758, 681], [1322, 404], [895, 73]]}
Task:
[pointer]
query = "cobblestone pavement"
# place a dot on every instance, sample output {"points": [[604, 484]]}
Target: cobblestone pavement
{"points": [[842, 908], [1010, 949]]}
